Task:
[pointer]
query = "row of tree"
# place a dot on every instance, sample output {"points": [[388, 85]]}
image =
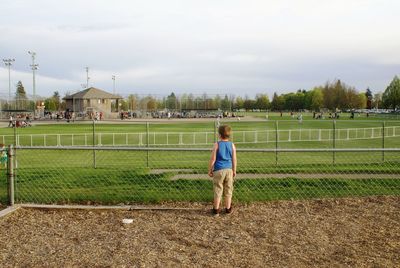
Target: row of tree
{"points": [[333, 95]]}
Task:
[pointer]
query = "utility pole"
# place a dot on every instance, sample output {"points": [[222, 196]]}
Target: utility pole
{"points": [[8, 63], [87, 77], [34, 68], [113, 78]]}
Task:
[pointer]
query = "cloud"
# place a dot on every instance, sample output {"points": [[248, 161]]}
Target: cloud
{"points": [[203, 46]]}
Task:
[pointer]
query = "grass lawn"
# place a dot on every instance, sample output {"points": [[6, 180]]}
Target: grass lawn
{"points": [[69, 176]]}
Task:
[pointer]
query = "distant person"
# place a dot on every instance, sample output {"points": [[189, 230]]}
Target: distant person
{"points": [[218, 121], [222, 168], [300, 118], [352, 115], [10, 122]]}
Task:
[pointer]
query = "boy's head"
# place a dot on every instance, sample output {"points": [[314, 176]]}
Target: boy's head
{"points": [[224, 131]]}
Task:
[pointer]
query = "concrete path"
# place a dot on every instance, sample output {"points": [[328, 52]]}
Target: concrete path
{"points": [[296, 176]]}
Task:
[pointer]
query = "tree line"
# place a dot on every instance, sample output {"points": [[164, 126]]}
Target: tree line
{"points": [[333, 95]]}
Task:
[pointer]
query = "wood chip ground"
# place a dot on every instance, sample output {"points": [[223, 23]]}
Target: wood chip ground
{"points": [[356, 232]]}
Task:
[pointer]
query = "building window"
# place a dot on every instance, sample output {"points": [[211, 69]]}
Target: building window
{"points": [[99, 101], [104, 101]]}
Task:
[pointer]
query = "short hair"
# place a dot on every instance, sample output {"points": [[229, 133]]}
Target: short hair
{"points": [[225, 131]]}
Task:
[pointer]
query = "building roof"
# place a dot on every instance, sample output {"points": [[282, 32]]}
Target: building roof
{"points": [[92, 93]]}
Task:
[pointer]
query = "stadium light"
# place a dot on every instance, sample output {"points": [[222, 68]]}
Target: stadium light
{"points": [[34, 67], [8, 63], [87, 77], [113, 78]]}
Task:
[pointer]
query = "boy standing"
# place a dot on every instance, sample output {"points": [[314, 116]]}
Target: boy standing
{"points": [[222, 167]]}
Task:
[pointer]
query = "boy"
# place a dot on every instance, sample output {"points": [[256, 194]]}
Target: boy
{"points": [[222, 167]]}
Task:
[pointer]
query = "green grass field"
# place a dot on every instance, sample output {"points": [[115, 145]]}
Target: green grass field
{"points": [[69, 176]]}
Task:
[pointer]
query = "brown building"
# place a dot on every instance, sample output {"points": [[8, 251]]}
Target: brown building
{"points": [[94, 100]]}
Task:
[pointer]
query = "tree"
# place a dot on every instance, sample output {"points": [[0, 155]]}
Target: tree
{"points": [[216, 102], [368, 95], [249, 104], [391, 96], [262, 102], [239, 103], [225, 104], [54, 102], [361, 102], [377, 100], [20, 96], [171, 102], [294, 101], [151, 103], [316, 99], [278, 102], [133, 102], [50, 104], [124, 105]]}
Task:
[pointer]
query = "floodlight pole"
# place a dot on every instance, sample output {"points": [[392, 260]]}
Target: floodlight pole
{"points": [[34, 68], [8, 63], [87, 77], [113, 78]]}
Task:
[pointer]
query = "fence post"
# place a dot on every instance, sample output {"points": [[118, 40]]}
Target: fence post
{"points": [[276, 142], [215, 132], [15, 133], [334, 142], [383, 141], [10, 175], [148, 141], [93, 144]]}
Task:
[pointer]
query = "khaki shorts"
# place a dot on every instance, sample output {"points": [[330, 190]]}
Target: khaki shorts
{"points": [[223, 183]]}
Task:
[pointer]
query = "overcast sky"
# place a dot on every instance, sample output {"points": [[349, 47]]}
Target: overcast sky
{"points": [[214, 46]]}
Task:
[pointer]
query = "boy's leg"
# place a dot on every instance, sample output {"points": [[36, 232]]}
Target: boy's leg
{"points": [[228, 188], [218, 187]]}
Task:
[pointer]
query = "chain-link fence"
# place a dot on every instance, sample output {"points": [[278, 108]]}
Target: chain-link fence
{"points": [[128, 175], [139, 162]]}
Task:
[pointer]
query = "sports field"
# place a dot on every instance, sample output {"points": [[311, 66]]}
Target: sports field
{"points": [[138, 176]]}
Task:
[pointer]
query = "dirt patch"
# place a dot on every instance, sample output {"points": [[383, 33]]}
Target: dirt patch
{"points": [[324, 233]]}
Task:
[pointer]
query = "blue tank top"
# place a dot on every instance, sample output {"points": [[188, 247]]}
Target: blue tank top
{"points": [[224, 156]]}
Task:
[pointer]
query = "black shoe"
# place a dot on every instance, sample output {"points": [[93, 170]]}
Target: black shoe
{"points": [[228, 210], [215, 212]]}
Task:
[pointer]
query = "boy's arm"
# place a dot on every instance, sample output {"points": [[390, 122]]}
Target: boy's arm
{"points": [[234, 160], [212, 160]]}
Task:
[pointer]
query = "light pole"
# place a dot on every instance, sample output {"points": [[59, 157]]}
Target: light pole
{"points": [[113, 78], [8, 63], [34, 68], [87, 77]]}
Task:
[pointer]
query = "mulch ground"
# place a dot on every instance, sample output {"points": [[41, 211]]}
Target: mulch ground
{"points": [[316, 233]]}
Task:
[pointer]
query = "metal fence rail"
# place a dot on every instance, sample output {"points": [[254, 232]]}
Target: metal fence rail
{"points": [[128, 175], [199, 138]]}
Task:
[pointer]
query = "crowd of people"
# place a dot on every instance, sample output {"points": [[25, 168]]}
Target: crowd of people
{"points": [[174, 114], [21, 120]]}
